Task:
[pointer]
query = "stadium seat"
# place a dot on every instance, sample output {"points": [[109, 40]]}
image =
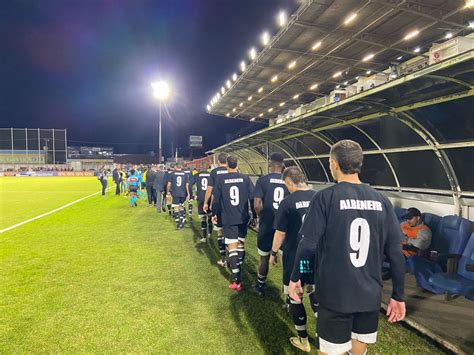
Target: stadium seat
{"points": [[431, 220], [461, 282], [400, 212], [449, 241]]}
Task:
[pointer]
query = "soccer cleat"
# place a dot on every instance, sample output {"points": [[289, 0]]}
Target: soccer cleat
{"points": [[203, 240], [136, 204], [301, 343], [260, 289], [222, 263]]}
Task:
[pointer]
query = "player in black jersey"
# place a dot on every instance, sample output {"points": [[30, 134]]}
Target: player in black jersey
{"points": [[233, 193], [178, 187], [202, 183], [168, 198], [216, 174], [347, 230], [189, 172], [270, 190], [288, 220]]}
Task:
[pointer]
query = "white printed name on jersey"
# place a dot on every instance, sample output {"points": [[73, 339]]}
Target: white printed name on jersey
{"points": [[302, 204], [204, 174], [221, 172], [276, 181], [176, 173], [231, 181], [364, 205]]}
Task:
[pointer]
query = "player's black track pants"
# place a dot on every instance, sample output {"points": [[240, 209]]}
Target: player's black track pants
{"points": [[151, 194]]}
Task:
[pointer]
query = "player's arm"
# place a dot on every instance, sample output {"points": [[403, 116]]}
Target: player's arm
{"points": [[393, 250], [187, 190], [168, 187], [312, 230], [258, 195], [251, 190], [278, 240]]}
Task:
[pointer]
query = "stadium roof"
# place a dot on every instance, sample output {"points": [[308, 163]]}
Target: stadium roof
{"points": [[326, 43]]}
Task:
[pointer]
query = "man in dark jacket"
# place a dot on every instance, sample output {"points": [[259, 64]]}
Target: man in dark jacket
{"points": [[149, 183], [117, 180], [159, 184]]}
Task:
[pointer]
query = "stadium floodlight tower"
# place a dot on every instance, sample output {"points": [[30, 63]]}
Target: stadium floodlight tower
{"points": [[161, 91]]}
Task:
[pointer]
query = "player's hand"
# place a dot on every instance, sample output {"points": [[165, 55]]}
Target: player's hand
{"points": [[187, 198], [395, 311], [295, 290], [274, 260], [205, 208], [214, 220]]}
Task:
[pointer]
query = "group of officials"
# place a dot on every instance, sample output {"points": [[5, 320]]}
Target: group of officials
{"points": [[331, 243]]}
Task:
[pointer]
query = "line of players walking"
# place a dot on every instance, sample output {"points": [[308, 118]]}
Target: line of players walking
{"points": [[332, 242]]}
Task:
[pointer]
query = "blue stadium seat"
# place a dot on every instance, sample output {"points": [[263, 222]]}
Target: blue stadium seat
{"points": [[400, 212], [449, 239], [431, 220], [461, 282]]}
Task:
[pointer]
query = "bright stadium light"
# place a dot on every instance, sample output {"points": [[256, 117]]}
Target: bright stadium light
{"points": [[242, 65], [260, 89], [228, 84], [449, 35], [469, 4], [241, 104], [260, 115], [234, 109], [218, 96], [222, 90], [270, 109], [208, 107], [400, 58], [282, 18], [368, 72], [417, 50], [368, 57], [292, 64], [265, 38], [411, 35], [234, 76], [346, 83], [335, 75], [274, 78], [252, 53], [161, 90], [316, 45], [471, 25], [253, 119], [350, 18], [296, 96], [282, 104], [228, 114], [313, 87], [250, 98]]}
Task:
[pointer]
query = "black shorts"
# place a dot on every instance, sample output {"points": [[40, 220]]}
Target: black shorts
{"points": [[288, 262], [178, 200], [336, 330], [234, 234], [133, 188], [264, 243]]}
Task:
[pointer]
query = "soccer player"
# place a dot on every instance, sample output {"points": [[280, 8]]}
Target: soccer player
{"points": [[168, 198], [188, 172], [233, 193], [133, 186], [270, 190], [288, 220], [347, 230], [178, 188], [202, 182], [216, 174]]}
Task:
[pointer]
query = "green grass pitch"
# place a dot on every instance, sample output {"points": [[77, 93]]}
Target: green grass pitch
{"points": [[100, 276]]}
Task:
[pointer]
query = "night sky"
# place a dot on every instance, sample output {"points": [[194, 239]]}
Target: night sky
{"points": [[86, 65]]}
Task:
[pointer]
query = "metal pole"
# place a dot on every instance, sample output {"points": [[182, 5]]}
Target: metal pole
{"points": [[159, 139], [12, 142], [39, 147], [65, 143], [26, 140], [54, 151]]}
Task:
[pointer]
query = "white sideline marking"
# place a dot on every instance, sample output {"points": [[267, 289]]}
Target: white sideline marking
{"points": [[48, 213]]}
